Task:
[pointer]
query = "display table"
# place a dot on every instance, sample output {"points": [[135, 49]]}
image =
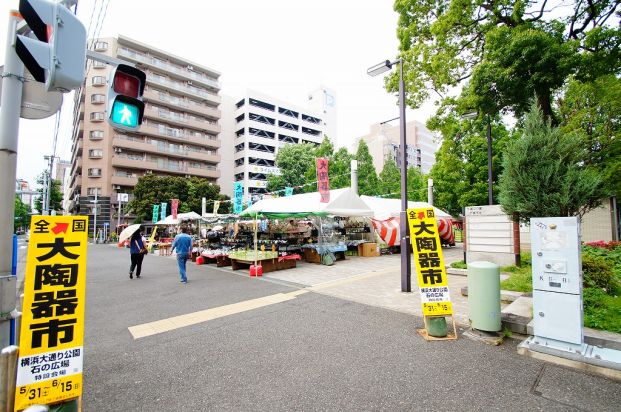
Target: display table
{"points": [[220, 259], [165, 249], [270, 261], [312, 253]]}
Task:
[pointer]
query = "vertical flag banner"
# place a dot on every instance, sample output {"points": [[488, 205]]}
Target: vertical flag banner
{"points": [[288, 191], [430, 269], [51, 347], [174, 207], [323, 183], [156, 213], [163, 210], [216, 206], [238, 195]]}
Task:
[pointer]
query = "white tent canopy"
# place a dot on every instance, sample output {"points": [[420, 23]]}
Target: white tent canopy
{"points": [[181, 217], [343, 202], [384, 209]]}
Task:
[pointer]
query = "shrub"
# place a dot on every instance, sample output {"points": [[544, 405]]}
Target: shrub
{"points": [[598, 272]]}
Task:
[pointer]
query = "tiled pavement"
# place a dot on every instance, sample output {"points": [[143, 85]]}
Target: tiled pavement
{"points": [[374, 281]]}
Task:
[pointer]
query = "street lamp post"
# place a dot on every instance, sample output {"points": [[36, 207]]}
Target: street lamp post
{"points": [[406, 268]]}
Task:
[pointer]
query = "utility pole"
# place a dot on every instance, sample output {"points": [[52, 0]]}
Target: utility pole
{"points": [[12, 85], [95, 218]]}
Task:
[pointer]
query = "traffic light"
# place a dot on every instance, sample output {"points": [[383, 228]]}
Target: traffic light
{"points": [[125, 105], [58, 54]]}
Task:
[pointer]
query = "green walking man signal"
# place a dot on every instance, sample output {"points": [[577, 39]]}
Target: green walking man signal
{"points": [[125, 104]]}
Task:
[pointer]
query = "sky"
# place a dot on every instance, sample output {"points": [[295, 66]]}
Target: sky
{"points": [[282, 48]]}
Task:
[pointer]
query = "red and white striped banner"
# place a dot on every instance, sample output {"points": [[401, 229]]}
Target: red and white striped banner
{"points": [[389, 232]]}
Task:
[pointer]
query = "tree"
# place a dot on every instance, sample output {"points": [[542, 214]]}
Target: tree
{"points": [[368, 183], [151, 190], [390, 180], [460, 171], [22, 214], [417, 185], [508, 51], [294, 161], [56, 199], [340, 169], [593, 110], [544, 173]]}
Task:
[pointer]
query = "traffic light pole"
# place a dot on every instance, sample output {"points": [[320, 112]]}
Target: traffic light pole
{"points": [[10, 106]]}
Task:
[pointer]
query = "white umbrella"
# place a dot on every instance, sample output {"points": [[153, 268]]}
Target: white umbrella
{"points": [[128, 232]]}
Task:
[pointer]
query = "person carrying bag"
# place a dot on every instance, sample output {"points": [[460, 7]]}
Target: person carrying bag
{"points": [[137, 250]]}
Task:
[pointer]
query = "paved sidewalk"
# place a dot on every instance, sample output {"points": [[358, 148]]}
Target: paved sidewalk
{"points": [[374, 281]]}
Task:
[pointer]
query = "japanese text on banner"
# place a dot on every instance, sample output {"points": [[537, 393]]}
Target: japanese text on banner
{"points": [[238, 196], [430, 269], [174, 207], [323, 183], [50, 360]]}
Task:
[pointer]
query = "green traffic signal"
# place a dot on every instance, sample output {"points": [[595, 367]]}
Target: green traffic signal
{"points": [[124, 114]]}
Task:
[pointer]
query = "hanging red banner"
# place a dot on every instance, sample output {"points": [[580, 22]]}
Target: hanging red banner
{"points": [[323, 183], [174, 206]]}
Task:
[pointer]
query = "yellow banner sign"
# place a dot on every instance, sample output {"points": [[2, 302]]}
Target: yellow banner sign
{"points": [[51, 345], [430, 269]]}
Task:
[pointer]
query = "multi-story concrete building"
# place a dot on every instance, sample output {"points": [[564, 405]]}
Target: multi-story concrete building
{"points": [[259, 125], [178, 136], [384, 142]]}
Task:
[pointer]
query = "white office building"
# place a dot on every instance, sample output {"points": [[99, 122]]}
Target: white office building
{"points": [[259, 125]]}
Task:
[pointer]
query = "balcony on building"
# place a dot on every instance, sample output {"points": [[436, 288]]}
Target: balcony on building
{"points": [[181, 119], [188, 88], [152, 94]]}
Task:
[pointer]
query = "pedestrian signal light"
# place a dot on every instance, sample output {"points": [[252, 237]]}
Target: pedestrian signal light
{"points": [[125, 104]]}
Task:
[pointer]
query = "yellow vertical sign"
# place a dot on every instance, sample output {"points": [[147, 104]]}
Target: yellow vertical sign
{"points": [[51, 346], [430, 269]]}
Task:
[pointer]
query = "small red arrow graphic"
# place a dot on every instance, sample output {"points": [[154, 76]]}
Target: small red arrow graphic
{"points": [[60, 227]]}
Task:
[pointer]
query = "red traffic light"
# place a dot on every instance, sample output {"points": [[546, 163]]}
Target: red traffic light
{"points": [[126, 84]]}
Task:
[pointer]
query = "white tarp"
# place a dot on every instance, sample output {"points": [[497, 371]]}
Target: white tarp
{"points": [[181, 217], [343, 202], [384, 209]]}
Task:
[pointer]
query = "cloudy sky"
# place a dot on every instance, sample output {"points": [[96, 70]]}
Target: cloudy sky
{"points": [[283, 48]]}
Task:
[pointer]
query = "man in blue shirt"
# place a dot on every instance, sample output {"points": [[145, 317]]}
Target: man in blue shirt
{"points": [[183, 245]]}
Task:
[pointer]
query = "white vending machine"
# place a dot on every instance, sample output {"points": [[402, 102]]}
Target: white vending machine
{"points": [[557, 282]]}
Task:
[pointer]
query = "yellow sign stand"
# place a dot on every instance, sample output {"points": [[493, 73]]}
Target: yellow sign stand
{"points": [[430, 269], [51, 346]]}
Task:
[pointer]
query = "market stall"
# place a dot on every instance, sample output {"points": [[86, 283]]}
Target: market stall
{"points": [[304, 225], [169, 228], [386, 219]]}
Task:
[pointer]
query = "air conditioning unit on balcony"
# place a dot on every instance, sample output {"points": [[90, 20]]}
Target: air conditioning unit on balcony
{"points": [[148, 172], [190, 83], [116, 187], [190, 67], [118, 150]]}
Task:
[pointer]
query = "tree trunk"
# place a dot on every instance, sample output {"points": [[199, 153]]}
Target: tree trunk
{"points": [[544, 101]]}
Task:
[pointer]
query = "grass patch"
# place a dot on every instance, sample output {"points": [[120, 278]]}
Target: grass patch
{"points": [[520, 279], [601, 310], [460, 264]]}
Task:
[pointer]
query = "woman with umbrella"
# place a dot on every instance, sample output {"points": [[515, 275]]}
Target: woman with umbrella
{"points": [[137, 248]]}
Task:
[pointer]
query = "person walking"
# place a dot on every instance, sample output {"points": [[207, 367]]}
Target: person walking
{"points": [[136, 251], [183, 245]]}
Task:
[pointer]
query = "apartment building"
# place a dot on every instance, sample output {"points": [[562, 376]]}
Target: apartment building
{"points": [[259, 125], [178, 136], [384, 143]]}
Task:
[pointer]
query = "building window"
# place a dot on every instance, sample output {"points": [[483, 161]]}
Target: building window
{"points": [[98, 65], [95, 153], [94, 172], [101, 46], [98, 98], [96, 134], [97, 116], [92, 190], [98, 81]]}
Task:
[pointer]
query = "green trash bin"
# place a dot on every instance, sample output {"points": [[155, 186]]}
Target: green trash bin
{"points": [[484, 296]]}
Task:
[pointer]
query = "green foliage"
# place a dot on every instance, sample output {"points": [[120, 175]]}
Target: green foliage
{"points": [[544, 175], [368, 182], [152, 189], [459, 265], [56, 200], [390, 180], [520, 280], [294, 161], [601, 311], [598, 272], [417, 185], [22, 214], [340, 169], [593, 110], [460, 171], [507, 51]]}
